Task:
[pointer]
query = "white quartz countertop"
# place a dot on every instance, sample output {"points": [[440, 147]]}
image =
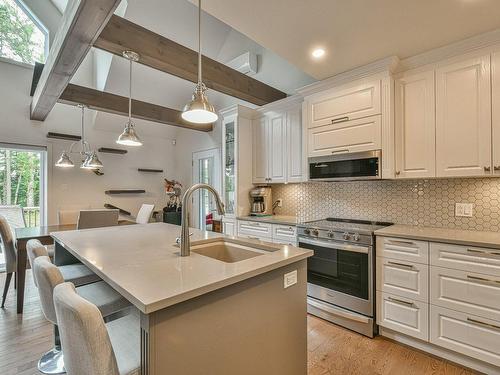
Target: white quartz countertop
{"points": [[448, 235], [143, 263], [274, 219]]}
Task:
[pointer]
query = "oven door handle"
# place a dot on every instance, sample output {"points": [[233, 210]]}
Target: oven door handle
{"points": [[336, 246], [336, 311]]}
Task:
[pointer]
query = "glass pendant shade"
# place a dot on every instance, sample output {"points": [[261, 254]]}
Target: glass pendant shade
{"points": [[64, 161], [199, 110], [93, 161], [129, 137]]}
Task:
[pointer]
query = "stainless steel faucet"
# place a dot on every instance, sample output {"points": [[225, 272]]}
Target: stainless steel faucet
{"points": [[185, 241]]}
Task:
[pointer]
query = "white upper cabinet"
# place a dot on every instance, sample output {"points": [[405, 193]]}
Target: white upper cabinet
{"points": [[260, 149], [463, 118], [277, 148], [344, 103], [415, 125], [295, 152], [495, 82]]}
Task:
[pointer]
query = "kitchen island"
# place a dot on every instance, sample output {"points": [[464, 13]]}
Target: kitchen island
{"points": [[243, 314]]}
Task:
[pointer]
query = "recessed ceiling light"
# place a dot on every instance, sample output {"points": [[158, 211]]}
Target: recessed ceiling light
{"points": [[318, 53]]}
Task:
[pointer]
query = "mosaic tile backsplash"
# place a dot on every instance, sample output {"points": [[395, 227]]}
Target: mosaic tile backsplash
{"points": [[413, 202]]}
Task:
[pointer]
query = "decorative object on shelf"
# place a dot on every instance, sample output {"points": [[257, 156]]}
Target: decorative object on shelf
{"points": [[90, 160], [125, 191], [150, 170], [108, 150], [199, 110], [129, 136], [173, 190]]}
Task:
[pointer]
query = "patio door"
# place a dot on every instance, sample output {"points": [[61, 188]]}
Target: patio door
{"points": [[22, 185], [206, 169]]}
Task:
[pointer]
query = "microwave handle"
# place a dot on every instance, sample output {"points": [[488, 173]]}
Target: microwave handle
{"points": [[337, 246]]}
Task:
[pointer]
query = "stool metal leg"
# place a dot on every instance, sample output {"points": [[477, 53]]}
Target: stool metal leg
{"points": [[52, 362]]}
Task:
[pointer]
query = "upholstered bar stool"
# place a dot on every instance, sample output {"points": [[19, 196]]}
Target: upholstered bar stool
{"points": [[90, 346], [78, 274], [9, 253], [48, 276]]}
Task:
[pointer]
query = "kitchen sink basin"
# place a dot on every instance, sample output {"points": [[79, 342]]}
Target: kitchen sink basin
{"points": [[226, 251]]}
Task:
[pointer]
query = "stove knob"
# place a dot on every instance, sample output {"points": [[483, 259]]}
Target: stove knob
{"points": [[331, 234], [345, 236], [355, 236], [307, 231], [315, 232]]}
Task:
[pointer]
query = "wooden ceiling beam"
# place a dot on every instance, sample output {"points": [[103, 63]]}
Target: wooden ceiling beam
{"points": [[170, 57], [116, 104], [81, 24]]}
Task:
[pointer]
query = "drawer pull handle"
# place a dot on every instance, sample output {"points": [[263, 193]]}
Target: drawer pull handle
{"points": [[395, 300], [409, 266], [340, 151], [478, 322], [253, 238], [482, 252], [340, 119], [483, 279], [396, 242]]}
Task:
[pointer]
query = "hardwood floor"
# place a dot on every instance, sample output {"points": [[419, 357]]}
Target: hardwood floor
{"points": [[332, 349]]}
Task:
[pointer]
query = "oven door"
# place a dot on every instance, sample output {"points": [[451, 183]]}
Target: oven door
{"points": [[349, 166], [340, 274]]}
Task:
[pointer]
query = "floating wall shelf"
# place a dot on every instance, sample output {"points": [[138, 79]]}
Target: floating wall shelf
{"points": [[67, 137], [150, 170], [112, 150], [125, 191]]}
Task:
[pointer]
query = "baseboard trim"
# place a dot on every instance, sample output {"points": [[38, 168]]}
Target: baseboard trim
{"points": [[437, 351]]}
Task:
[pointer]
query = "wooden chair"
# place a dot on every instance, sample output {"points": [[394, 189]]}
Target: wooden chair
{"points": [[65, 217], [89, 345], [10, 254], [97, 218], [144, 213]]}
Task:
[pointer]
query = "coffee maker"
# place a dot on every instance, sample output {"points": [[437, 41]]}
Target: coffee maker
{"points": [[261, 203]]}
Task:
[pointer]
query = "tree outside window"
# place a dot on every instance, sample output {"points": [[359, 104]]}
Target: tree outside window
{"points": [[21, 37]]}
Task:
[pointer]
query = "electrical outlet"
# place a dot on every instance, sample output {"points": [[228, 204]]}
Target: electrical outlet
{"points": [[280, 202], [464, 209], [290, 279]]}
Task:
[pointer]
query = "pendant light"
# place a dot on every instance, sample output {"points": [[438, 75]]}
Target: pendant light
{"points": [[90, 160], [129, 136], [199, 110]]}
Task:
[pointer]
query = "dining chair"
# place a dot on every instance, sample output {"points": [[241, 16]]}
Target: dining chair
{"points": [[97, 218], [91, 346], [9, 250], [77, 273], [14, 216], [48, 276], [65, 217], [144, 213]]}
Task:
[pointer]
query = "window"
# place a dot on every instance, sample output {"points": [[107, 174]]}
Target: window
{"points": [[23, 38]]}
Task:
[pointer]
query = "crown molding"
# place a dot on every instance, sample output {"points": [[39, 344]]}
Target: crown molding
{"points": [[387, 65], [282, 104]]}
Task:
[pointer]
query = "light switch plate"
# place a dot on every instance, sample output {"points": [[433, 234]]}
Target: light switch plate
{"points": [[290, 279], [464, 209]]}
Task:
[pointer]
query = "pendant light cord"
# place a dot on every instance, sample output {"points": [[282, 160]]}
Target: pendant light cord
{"points": [[199, 43], [130, 94], [83, 128]]}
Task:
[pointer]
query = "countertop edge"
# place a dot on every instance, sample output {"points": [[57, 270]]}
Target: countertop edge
{"points": [[269, 220]]}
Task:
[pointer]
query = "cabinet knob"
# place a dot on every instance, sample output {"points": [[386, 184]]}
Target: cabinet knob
{"points": [[398, 173], [496, 167], [487, 169]]}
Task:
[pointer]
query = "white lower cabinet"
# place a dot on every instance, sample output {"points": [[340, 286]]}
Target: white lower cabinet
{"points": [[275, 233], [403, 315], [403, 249], [464, 333], [404, 279], [229, 227]]}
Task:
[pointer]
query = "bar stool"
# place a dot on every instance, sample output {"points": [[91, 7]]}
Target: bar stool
{"points": [[90, 346], [78, 274], [48, 276]]}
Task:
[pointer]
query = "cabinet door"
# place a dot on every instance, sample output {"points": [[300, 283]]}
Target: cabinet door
{"points": [[351, 136], [260, 154], [295, 153], [344, 103], [228, 227], [277, 148], [415, 126], [495, 110], [463, 118]]}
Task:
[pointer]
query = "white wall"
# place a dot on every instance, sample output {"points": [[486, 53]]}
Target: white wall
{"points": [[76, 188]]}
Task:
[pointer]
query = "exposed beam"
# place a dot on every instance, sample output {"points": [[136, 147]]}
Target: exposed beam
{"points": [[81, 24], [170, 57], [116, 104]]}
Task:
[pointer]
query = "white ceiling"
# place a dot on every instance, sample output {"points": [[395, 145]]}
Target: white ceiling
{"points": [[354, 32]]}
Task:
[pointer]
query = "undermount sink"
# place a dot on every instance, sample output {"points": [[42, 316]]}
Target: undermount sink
{"points": [[226, 251]]}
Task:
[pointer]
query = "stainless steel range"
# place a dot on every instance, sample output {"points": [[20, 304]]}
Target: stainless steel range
{"points": [[341, 273]]}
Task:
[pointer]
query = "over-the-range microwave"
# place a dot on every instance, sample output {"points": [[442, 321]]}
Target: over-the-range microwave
{"points": [[365, 165]]}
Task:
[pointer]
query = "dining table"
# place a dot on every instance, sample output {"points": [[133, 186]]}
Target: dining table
{"points": [[42, 234]]}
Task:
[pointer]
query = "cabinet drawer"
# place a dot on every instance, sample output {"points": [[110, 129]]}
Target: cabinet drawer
{"points": [[403, 315], [285, 232], [402, 278], [254, 229], [352, 136], [403, 249], [281, 242], [344, 103], [467, 334], [261, 239], [466, 258], [469, 292]]}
